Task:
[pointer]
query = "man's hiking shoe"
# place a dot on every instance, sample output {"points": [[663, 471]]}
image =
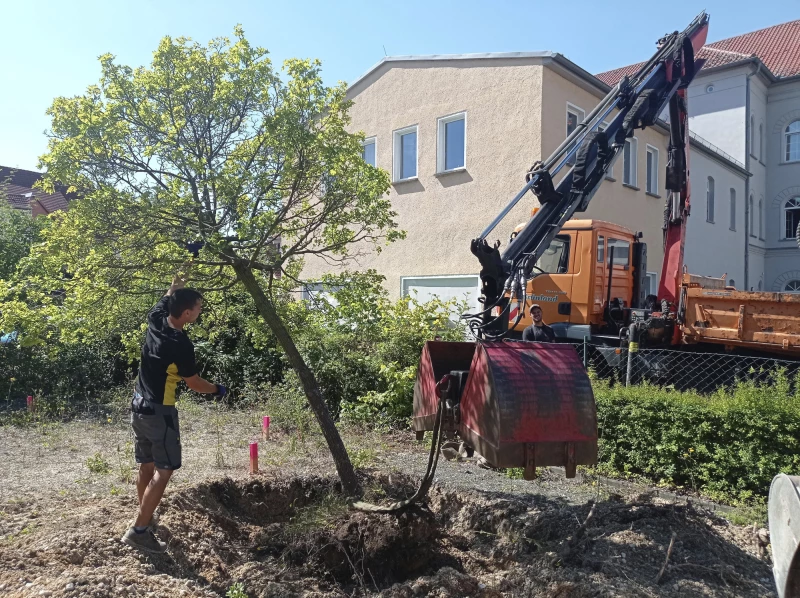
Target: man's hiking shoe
{"points": [[153, 525], [145, 541]]}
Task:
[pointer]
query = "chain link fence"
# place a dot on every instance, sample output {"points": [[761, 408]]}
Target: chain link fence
{"points": [[682, 370]]}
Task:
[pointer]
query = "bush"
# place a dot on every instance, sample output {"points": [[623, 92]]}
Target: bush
{"points": [[64, 379], [364, 348], [729, 445]]}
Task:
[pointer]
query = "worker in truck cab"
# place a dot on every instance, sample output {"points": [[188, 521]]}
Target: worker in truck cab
{"points": [[538, 332]]}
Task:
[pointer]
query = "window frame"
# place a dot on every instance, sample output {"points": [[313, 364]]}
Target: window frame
{"points": [[732, 219], [370, 141], [761, 142], [441, 142], [751, 220], [787, 135], [752, 136], [761, 218], [788, 282], [784, 220], [633, 142], [601, 249], [581, 114], [649, 149], [711, 185], [610, 174], [397, 154]]}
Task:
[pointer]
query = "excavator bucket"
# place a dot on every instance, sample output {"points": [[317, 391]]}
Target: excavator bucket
{"points": [[518, 404], [784, 531]]}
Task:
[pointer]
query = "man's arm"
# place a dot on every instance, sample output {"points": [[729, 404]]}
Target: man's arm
{"points": [[198, 384]]}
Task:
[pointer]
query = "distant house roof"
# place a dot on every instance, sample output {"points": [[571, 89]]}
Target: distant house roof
{"points": [[17, 185], [778, 47]]}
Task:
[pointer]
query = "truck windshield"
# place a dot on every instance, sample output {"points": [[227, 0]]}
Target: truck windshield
{"points": [[555, 259]]}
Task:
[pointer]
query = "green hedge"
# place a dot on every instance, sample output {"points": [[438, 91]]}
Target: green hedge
{"points": [[728, 445]]}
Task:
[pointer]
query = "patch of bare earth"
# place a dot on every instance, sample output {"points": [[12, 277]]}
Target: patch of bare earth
{"points": [[295, 536]]}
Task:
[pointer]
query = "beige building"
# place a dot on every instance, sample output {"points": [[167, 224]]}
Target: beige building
{"points": [[457, 133]]}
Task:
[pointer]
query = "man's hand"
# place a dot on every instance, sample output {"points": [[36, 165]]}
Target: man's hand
{"points": [[179, 281]]}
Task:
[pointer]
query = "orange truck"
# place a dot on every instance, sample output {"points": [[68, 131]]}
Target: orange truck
{"points": [[594, 272]]}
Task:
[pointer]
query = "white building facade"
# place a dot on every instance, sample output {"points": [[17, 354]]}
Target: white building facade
{"points": [[746, 102]]}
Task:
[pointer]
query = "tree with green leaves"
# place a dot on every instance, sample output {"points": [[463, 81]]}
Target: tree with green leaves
{"points": [[208, 144]]}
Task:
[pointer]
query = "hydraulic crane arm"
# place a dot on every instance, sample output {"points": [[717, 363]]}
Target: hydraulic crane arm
{"points": [[638, 100]]}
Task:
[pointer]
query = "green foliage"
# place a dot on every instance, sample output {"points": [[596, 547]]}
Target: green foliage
{"points": [[729, 445], [98, 464], [63, 378], [364, 348], [236, 591], [18, 232]]}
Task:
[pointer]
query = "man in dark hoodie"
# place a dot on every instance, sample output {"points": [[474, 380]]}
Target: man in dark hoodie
{"points": [[167, 358]]}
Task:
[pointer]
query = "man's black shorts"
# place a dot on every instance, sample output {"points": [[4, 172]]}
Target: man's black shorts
{"points": [[158, 438]]}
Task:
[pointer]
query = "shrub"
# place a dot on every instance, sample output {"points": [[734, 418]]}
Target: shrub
{"points": [[729, 445]]}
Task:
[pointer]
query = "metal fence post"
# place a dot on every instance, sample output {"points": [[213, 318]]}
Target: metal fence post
{"points": [[633, 348], [585, 338]]}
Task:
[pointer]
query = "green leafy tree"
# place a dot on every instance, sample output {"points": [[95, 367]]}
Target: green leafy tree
{"points": [[208, 143], [18, 231]]}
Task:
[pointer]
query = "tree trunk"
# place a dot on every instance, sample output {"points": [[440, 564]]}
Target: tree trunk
{"points": [[267, 311]]}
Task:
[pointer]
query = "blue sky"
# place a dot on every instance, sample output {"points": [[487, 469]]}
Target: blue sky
{"points": [[49, 48]]}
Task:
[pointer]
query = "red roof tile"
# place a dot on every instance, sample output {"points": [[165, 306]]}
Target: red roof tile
{"points": [[778, 47]]}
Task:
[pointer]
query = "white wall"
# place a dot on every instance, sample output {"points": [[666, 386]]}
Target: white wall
{"points": [[782, 182], [719, 114], [712, 248]]}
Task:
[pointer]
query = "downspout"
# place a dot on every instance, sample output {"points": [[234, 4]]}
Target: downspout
{"points": [[747, 150]]}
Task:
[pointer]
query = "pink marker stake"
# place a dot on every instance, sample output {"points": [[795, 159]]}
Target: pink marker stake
{"points": [[253, 457], [30, 404], [265, 428]]}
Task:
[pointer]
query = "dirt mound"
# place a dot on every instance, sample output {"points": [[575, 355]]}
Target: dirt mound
{"points": [[297, 537]]}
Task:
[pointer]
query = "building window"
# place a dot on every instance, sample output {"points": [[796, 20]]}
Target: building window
{"points": [[753, 136], [405, 153], [710, 200], [652, 170], [751, 206], [761, 219], [610, 173], [793, 286], [459, 288], [761, 142], [733, 209], [650, 283], [629, 165], [451, 144], [601, 249], [792, 135], [575, 116], [791, 218], [368, 151]]}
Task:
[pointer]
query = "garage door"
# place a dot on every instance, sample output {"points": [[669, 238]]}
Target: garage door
{"points": [[461, 288]]}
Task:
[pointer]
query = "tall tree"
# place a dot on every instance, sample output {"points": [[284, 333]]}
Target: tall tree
{"points": [[208, 144]]}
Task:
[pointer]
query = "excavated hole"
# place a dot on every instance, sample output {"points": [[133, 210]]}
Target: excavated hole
{"points": [[306, 526]]}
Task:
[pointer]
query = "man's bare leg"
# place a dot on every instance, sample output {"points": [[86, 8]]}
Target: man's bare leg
{"points": [[152, 496], [146, 471]]}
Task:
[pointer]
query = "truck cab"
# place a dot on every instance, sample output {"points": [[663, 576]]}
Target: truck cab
{"points": [[571, 280]]}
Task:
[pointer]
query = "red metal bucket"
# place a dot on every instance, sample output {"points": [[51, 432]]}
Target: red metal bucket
{"points": [[524, 404]]}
